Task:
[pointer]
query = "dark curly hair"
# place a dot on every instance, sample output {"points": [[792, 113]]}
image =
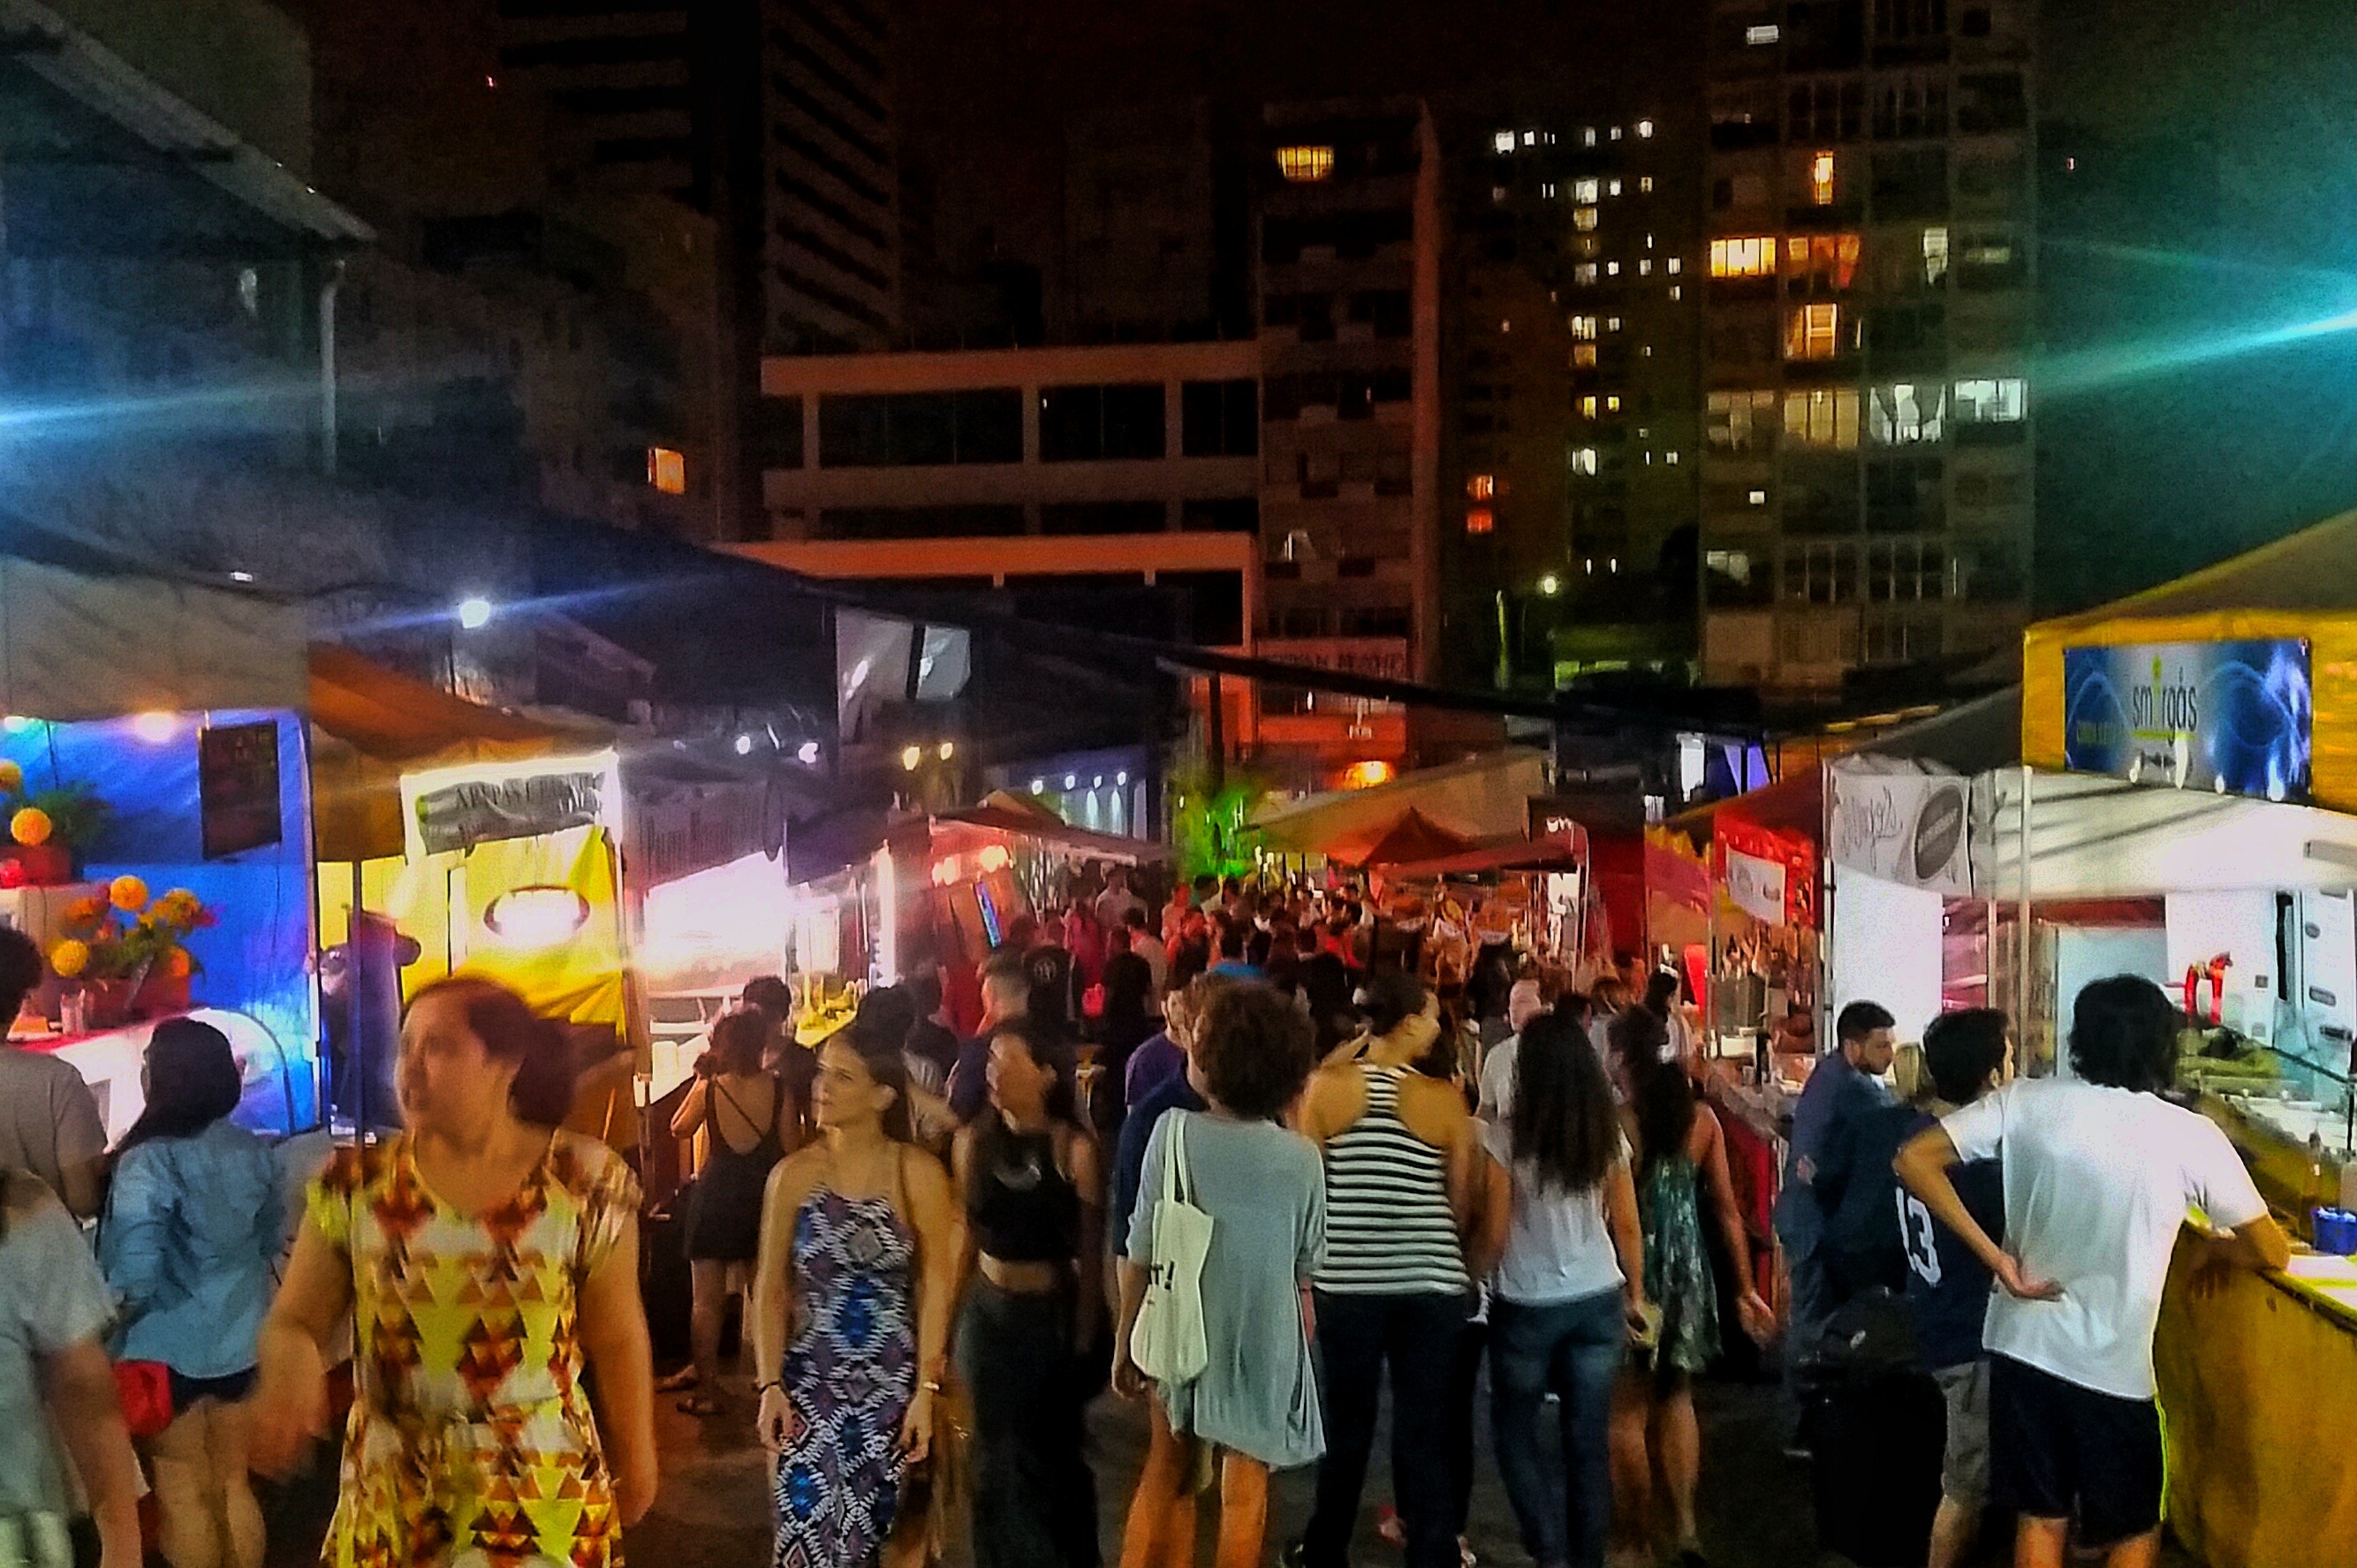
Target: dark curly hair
{"points": [[2124, 1035], [1254, 1050]]}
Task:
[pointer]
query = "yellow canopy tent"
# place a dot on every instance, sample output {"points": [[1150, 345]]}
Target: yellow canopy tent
{"points": [[2303, 586]]}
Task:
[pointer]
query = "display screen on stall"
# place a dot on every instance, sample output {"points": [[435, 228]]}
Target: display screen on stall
{"points": [[989, 907]]}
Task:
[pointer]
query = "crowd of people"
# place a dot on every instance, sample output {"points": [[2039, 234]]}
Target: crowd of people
{"points": [[1244, 1163]]}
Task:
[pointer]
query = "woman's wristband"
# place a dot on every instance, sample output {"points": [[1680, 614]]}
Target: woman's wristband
{"points": [[760, 1388]]}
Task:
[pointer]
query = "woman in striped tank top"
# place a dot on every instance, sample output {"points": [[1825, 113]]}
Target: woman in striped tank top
{"points": [[1403, 1176]]}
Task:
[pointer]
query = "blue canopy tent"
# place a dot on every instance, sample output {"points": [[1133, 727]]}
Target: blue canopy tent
{"points": [[180, 706]]}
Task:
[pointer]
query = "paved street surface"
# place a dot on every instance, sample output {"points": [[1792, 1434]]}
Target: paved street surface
{"points": [[713, 1509]]}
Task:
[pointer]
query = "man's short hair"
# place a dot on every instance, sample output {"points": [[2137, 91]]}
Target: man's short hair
{"points": [[1004, 979], [2124, 1035], [1860, 1019], [1133, 918], [1962, 1050]]}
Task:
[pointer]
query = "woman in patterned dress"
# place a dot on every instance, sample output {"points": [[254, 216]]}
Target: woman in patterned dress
{"points": [[851, 1309], [1681, 1160], [486, 1260]]}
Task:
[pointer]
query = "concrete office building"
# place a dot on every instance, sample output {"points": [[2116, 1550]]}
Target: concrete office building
{"points": [[1867, 481]]}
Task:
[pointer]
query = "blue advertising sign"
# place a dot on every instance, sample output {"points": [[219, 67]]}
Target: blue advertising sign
{"points": [[2231, 717]]}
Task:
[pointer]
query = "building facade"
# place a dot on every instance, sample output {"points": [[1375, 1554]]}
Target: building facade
{"points": [[1572, 377], [831, 276], [1347, 229], [1868, 321]]}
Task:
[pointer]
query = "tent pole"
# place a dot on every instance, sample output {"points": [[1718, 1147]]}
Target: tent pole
{"points": [[2023, 947]]}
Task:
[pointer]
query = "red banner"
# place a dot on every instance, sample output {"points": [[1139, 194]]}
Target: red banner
{"points": [[1796, 852]]}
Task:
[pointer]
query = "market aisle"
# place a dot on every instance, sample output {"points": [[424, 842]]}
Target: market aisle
{"points": [[712, 1510]]}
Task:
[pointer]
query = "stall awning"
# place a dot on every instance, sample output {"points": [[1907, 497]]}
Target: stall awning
{"points": [[2301, 587], [1484, 797], [371, 724], [1521, 855], [958, 830], [83, 645]]}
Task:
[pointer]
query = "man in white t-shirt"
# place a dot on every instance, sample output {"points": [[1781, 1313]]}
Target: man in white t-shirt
{"points": [[1496, 1085], [2099, 1175]]}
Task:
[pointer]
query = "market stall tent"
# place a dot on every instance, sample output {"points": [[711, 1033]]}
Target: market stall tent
{"points": [[2298, 587], [1484, 797]]}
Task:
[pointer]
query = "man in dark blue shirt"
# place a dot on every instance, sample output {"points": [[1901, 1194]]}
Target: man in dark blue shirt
{"points": [[1176, 1092], [1966, 1056], [1843, 1086], [1006, 993]]}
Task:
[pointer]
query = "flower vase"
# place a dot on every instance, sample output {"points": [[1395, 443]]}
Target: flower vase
{"points": [[161, 996], [107, 1003]]}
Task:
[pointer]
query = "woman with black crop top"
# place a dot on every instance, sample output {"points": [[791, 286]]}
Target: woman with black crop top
{"points": [[1032, 1184]]}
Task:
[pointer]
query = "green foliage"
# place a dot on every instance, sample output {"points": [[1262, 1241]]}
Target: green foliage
{"points": [[77, 816], [1205, 826]]}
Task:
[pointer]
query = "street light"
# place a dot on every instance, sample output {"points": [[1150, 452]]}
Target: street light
{"points": [[474, 612], [910, 756], [948, 750], [1550, 585], [807, 754], [743, 745]]}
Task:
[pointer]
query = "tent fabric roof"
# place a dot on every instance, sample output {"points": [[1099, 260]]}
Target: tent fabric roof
{"points": [[1971, 737], [1795, 804], [79, 646], [1523, 854], [2297, 588], [985, 822], [1411, 836], [1480, 797], [391, 717]]}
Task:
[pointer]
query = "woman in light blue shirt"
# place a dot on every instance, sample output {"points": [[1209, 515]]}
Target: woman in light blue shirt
{"points": [[189, 1238]]}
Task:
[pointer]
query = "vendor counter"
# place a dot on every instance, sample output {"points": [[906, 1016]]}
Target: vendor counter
{"points": [[111, 1060], [2258, 1395]]}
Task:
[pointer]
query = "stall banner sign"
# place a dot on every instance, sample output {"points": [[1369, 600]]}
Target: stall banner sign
{"points": [[2233, 717], [463, 814], [1796, 854], [237, 788], [1757, 885], [1674, 871], [1908, 828]]}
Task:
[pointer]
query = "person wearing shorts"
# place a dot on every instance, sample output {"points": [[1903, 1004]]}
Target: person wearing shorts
{"points": [[2100, 1176], [1964, 1056]]}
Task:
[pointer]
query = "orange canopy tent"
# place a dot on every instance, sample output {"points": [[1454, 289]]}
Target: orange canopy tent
{"points": [[1409, 837]]}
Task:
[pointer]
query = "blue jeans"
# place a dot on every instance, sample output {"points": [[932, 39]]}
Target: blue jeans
{"points": [[1576, 1349]]}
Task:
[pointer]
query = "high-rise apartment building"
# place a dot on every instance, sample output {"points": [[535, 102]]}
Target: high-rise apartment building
{"points": [[1348, 232], [1570, 474], [623, 73], [831, 274], [1867, 328]]}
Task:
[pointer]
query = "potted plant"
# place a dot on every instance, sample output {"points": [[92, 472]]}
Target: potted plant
{"points": [[48, 831], [128, 953]]}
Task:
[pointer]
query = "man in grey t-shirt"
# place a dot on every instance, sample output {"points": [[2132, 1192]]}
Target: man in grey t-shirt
{"points": [[49, 1123]]}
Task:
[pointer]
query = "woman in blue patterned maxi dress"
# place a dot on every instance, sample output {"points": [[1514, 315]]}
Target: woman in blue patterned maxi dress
{"points": [[851, 1308]]}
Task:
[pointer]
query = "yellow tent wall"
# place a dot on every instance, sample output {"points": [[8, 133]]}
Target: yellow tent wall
{"points": [[2304, 586]]}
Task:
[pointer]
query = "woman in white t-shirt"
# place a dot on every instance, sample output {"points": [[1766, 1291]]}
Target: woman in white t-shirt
{"points": [[1569, 1289]]}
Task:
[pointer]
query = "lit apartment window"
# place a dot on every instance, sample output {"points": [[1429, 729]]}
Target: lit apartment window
{"points": [[1738, 422], [1821, 261], [1645, 267], [1480, 519], [1530, 138], [1583, 459], [1671, 456], [1757, 498], [1612, 324], [1612, 188], [1762, 33], [1823, 418], [1498, 195], [667, 470], [1673, 266], [1612, 269], [1648, 241], [1645, 128], [1586, 190], [1481, 487], [1997, 401], [1583, 328], [1305, 166], [1502, 142], [1906, 414], [1548, 190], [1587, 406], [1750, 256], [1821, 179], [1935, 256], [1584, 218], [1812, 332], [1587, 136], [1612, 402], [1616, 133], [1584, 273], [1677, 293], [1645, 184], [1583, 356]]}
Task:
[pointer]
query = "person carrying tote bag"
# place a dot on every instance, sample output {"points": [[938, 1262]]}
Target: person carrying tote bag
{"points": [[1211, 1279], [1167, 1341]]}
